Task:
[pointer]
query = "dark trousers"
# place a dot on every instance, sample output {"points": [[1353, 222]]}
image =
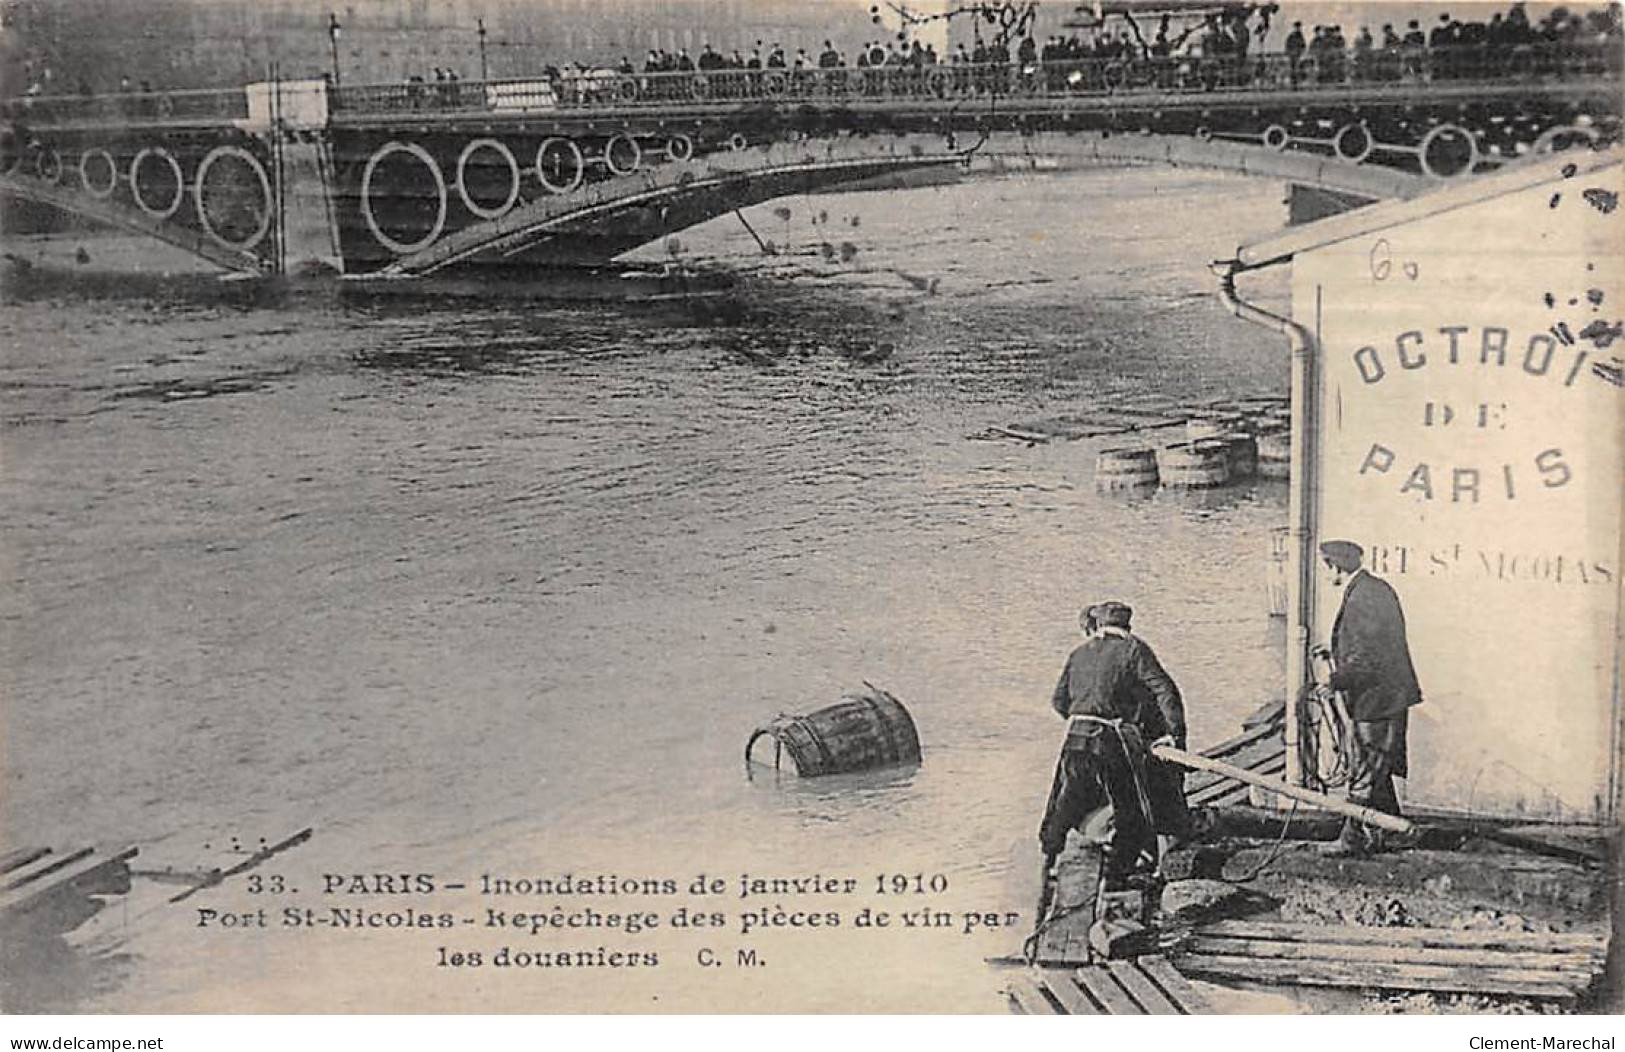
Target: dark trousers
{"points": [[1095, 771], [1378, 753]]}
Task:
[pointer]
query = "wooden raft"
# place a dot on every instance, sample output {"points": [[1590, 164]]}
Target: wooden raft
{"points": [[1549, 966], [42, 887], [1143, 986]]}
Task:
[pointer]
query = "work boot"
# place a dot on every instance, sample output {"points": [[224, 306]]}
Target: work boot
{"points": [[1341, 848], [1350, 843]]}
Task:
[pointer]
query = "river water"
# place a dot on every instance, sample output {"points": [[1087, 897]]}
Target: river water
{"points": [[493, 586]]}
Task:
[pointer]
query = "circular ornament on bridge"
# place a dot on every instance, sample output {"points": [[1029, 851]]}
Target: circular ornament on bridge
{"points": [[622, 155], [1276, 138], [428, 161], [1353, 143], [1447, 150], [485, 211], [559, 165], [775, 83], [140, 195], [699, 86], [88, 182], [737, 142], [1561, 137], [679, 147], [626, 88], [1116, 73], [236, 197], [48, 164]]}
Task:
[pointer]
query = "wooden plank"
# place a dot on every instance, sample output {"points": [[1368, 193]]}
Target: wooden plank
{"points": [[43, 866], [1225, 787], [1029, 999], [1162, 972], [1572, 961], [1103, 988], [1152, 1001], [1234, 793], [1246, 737], [86, 868], [1073, 998], [1259, 760], [1551, 840], [21, 857], [1371, 975], [1550, 942]]}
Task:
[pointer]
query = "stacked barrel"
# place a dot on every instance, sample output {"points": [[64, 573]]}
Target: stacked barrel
{"points": [[1220, 446]]}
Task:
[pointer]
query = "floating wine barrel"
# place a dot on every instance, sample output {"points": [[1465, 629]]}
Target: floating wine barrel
{"points": [[861, 732], [1241, 455], [1275, 455], [1194, 465], [1119, 469], [1213, 425]]}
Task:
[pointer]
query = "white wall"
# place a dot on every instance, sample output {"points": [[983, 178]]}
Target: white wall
{"points": [[1499, 528]]}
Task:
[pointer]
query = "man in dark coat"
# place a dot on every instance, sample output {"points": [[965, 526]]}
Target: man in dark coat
{"points": [[1371, 667], [1118, 700]]}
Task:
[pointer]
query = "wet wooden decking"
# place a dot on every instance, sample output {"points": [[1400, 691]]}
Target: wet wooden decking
{"points": [[1143, 986]]}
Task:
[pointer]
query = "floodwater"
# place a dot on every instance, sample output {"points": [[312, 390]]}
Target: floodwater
{"points": [[486, 586]]}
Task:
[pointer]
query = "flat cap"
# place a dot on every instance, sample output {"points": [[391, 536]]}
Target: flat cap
{"points": [[1113, 613], [1345, 555]]}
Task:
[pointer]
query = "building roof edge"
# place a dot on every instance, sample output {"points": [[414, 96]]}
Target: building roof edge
{"points": [[1512, 179]]}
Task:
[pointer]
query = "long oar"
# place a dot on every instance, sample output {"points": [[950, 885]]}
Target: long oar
{"points": [[1308, 796]]}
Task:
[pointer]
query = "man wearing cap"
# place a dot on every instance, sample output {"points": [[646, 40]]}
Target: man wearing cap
{"points": [[1371, 667], [1117, 698]]}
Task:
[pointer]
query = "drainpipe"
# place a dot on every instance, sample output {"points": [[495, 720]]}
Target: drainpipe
{"points": [[1300, 513]]}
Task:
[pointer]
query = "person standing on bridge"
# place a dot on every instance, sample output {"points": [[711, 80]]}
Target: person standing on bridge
{"points": [[1117, 698], [1370, 664], [1294, 51]]}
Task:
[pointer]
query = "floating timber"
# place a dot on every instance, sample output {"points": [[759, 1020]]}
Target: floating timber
{"points": [[1143, 986], [1547, 966], [236, 863], [1197, 420]]}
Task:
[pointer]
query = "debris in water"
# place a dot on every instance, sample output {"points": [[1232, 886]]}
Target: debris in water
{"points": [[1604, 201]]}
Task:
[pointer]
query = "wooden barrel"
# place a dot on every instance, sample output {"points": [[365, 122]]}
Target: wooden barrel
{"points": [[862, 731], [1193, 465], [1275, 454], [1241, 455], [1128, 468], [1212, 425]]}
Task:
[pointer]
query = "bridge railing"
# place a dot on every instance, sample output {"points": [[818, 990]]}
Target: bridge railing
{"points": [[609, 89], [576, 90], [146, 107]]}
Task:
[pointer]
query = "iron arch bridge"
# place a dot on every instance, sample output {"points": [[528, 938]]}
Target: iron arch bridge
{"points": [[418, 179]]}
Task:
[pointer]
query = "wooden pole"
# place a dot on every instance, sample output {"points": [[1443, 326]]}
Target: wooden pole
{"points": [[1308, 796]]}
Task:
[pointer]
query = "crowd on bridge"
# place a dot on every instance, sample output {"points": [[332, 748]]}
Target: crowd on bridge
{"points": [[1221, 49]]}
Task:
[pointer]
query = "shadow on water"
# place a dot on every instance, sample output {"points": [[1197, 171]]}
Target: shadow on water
{"points": [[43, 974], [201, 387], [30, 284]]}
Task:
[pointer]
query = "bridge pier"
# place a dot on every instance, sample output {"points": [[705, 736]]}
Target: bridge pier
{"points": [[307, 232]]}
